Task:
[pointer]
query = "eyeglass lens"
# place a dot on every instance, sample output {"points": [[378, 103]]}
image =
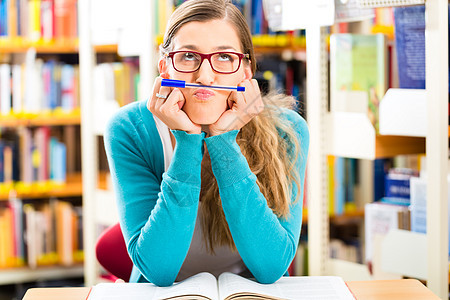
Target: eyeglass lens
{"points": [[220, 62]]}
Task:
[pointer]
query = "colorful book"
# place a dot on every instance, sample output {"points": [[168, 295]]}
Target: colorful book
{"points": [[359, 63]]}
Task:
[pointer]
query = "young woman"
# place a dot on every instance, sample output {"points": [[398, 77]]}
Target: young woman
{"points": [[208, 180]]}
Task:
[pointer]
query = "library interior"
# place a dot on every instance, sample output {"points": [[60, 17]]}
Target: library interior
{"points": [[373, 213]]}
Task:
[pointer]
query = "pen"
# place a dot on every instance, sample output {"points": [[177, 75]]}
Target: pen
{"points": [[183, 84]]}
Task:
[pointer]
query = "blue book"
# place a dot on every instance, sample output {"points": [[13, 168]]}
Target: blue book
{"points": [[339, 181], [397, 185], [257, 17], [396, 201], [380, 169], [67, 78], [2, 162], [3, 18], [53, 91], [57, 161], [410, 45]]}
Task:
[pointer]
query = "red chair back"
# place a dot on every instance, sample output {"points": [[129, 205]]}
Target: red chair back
{"points": [[112, 254]]}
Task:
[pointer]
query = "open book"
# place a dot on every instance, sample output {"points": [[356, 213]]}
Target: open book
{"points": [[229, 286]]}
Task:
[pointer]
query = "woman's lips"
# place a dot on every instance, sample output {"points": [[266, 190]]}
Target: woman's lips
{"points": [[203, 94]]}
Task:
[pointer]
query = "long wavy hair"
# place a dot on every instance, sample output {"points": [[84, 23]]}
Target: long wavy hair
{"points": [[268, 142]]}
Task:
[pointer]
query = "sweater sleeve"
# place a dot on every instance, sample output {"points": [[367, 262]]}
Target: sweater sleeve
{"points": [[157, 216], [266, 243]]}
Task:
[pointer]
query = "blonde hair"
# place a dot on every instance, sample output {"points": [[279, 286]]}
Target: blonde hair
{"points": [[268, 141]]}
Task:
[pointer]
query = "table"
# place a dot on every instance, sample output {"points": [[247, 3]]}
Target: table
{"points": [[403, 289]]}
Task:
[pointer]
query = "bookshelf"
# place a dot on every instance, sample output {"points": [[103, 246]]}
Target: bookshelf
{"points": [[33, 58], [61, 119], [17, 275], [435, 127], [97, 193], [17, 45]]}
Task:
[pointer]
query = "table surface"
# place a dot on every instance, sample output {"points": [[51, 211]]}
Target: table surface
{"points": [[404, 289]]}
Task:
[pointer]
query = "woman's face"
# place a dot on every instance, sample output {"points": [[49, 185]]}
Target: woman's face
{"points": [[204, 106]]}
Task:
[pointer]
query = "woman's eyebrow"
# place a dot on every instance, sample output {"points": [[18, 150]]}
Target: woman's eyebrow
{"points": [[225, 48], [195, 48]]}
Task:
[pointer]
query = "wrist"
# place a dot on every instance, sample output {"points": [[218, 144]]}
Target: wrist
{"points": [[216, 132], [194, 131]]}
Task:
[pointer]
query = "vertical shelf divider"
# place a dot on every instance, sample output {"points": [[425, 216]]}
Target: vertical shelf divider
{"points": [[317, 98], [436, 55], [88, 141]]}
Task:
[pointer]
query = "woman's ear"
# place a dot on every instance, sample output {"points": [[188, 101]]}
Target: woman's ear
{"points": [[248, 71], [162, 68]]}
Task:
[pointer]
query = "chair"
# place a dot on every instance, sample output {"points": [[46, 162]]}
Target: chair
{"points": [[112, 254]]}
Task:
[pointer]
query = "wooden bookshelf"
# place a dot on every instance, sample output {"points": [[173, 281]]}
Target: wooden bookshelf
{"points": [[72, 188], [352, 135], [18, 45], [279, 50], [390, 146], [342, 218], [41, 120]]}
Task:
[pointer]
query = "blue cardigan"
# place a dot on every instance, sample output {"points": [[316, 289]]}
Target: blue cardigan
{"points": [[158, 209]]}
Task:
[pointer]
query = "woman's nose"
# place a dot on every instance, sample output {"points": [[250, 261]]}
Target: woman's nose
{"points": [[205, 74]]}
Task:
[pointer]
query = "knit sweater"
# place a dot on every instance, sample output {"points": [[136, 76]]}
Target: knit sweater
{"points": [[158, 209]]}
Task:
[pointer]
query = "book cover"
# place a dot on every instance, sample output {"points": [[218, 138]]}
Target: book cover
{"points": [[418, 188], [379, 218], [358, 63], [17, 89], [410, 46], [5, 89]]}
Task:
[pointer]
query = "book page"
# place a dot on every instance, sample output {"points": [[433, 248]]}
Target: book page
{"points": [[202, 284], [292, 288]]}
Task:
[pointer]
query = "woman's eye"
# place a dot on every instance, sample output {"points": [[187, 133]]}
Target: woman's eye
{"points": [[189, 56], [225, 57]]}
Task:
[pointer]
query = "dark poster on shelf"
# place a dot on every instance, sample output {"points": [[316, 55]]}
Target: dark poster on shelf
{"points": [[410, 46]]}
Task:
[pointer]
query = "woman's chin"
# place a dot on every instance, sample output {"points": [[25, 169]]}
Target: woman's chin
{"points": [[204, 120]]}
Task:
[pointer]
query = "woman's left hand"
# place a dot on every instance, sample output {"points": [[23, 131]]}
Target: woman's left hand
{"points": [[242, 108]]}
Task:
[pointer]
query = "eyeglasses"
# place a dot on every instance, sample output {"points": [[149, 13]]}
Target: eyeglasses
{"points": [[221, 62]]}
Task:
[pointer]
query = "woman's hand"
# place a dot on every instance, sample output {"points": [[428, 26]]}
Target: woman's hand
{"points": [[168, 108], [243, 107]]}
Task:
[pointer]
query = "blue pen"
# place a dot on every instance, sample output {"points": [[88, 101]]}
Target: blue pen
{"points": [[183, 84]]}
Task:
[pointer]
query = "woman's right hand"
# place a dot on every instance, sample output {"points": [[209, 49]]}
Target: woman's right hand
{"points": [[169, 109]]}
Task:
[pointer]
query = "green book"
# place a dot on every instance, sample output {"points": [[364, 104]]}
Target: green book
{"points": [[359, 63]]}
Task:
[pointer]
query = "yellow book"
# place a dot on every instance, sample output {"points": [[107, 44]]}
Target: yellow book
{"points": [[35, 19], [119, 83], [330, 162], [165, 9]]}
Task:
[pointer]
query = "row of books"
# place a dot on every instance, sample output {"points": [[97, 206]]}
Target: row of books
{"points": [[33, 235], [37, 20], [36, 158], [36, 87], [253, 11], [364, 66], [403, 207], [286, 76], [51, 87], [118, 81], [345, 251], [390, 182]]}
